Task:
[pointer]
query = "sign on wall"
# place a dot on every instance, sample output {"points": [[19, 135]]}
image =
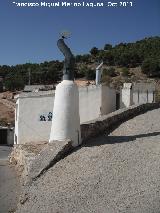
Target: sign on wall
{"points": [[45, 116]]}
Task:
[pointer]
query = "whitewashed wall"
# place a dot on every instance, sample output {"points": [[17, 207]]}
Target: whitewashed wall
{"points": [[127, 95], [108, 97], [151, 97], [135, 97], [89, 103], [143, 97], [28, 125], [139, 93], [93, 102]]}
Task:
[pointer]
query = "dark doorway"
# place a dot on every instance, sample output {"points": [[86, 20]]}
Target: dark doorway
{"points": [[117, 101], [3, 136]]}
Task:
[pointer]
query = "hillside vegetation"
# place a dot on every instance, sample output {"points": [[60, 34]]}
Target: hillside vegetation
{"points": [[119, 60]]}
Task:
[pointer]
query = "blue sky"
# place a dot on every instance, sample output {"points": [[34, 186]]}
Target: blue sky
{"points": [[30, 34]]}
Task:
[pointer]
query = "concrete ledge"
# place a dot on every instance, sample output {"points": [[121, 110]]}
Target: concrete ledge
{"points": [[33, 160], [107, 122], [49, 156], [23, 154]]}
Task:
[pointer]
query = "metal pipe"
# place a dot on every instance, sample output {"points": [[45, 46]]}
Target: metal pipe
{"points": [[98, 74], [69, 63]]}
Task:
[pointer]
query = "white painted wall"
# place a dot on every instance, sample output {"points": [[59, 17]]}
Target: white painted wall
{"points": [[135, 97], [130, 95], [144, 97], [127, 95], [89, 103], [16, 122], [151, 97], [94, 101], [28, 126], [108, 98]]}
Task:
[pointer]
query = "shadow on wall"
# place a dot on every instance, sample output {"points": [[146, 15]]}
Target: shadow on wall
{"points": [[102, 140]]}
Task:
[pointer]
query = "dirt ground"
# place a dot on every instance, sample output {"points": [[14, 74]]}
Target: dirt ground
{"points": [[6, 115]]}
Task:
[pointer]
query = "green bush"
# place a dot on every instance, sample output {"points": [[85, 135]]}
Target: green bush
{"points": [[86, 58], [151, 67], [82, 70], [90, 74], [86, 72], [125, 71], [15, 82], [109, 72]]}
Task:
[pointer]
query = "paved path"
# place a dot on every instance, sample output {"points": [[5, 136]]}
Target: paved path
{"points": [[9, 187], [119, 173]]}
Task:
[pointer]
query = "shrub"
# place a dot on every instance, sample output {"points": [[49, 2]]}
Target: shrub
{"points": [[151, 67], [106, 80], [125, 71], [15, 82], [109, 72], [90, 74]]}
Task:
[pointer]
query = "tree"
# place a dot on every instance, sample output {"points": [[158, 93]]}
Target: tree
{"points": [[82, 71], [14, 82], [4, 70], [83, 58], [109, 72], [94, 51], [151, 67], [107, 47], [90, 74], [108, 58]]}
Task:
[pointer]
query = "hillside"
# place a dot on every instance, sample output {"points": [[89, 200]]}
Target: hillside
{"points": [[119, 61], [6, 115], [7, 108]]}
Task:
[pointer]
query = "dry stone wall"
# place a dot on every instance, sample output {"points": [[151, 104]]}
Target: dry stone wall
{"points": [[33, 160], [107, 122]]}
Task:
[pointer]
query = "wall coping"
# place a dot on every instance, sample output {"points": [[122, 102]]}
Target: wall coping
{"points": [[105, 123]]}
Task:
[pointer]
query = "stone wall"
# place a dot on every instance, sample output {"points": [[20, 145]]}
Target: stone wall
{"points": [[107, 122], [32, 160], [23, 155]]}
